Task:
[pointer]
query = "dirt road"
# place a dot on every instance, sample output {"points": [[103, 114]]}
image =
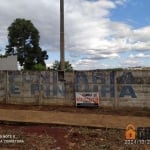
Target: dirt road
{"points": [[40, 131], [74, 119]]}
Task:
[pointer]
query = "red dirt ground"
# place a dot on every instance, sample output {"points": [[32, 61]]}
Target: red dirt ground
{"points": [[72, 109], [44, 137], [50, 137]]}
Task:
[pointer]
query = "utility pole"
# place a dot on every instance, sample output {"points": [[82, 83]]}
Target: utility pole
{"points": [[62, 47]]}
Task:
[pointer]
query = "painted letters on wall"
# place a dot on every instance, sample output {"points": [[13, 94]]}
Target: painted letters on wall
{"points": [[35, 83], [47, 83], [104, 83]]}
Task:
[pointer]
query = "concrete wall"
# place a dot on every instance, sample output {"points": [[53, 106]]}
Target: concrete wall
{"points": [[116, 88], [8, 63]]}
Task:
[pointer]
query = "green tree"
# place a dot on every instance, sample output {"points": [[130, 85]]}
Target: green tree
{"points": [[68, 66], [39, 67], [23, 41]]}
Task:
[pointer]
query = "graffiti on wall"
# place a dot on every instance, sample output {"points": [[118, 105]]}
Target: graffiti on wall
{"points": [[127, 80], [104, 82], [36, 82], [47, 84]]}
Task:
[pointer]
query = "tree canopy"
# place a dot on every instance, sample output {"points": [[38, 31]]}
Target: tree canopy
{"points": [[23, 41], [68, 66]]}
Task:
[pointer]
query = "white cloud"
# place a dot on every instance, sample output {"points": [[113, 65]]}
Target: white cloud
{"points": [[49, 63], [87, 64], [96, 56], [134, 60], [131, 63], [89, 32], [120, 2], [139, 55], [141, 34]]}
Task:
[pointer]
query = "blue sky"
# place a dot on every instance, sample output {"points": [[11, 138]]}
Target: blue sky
{"points": [[98, 33], [134, 12]]}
